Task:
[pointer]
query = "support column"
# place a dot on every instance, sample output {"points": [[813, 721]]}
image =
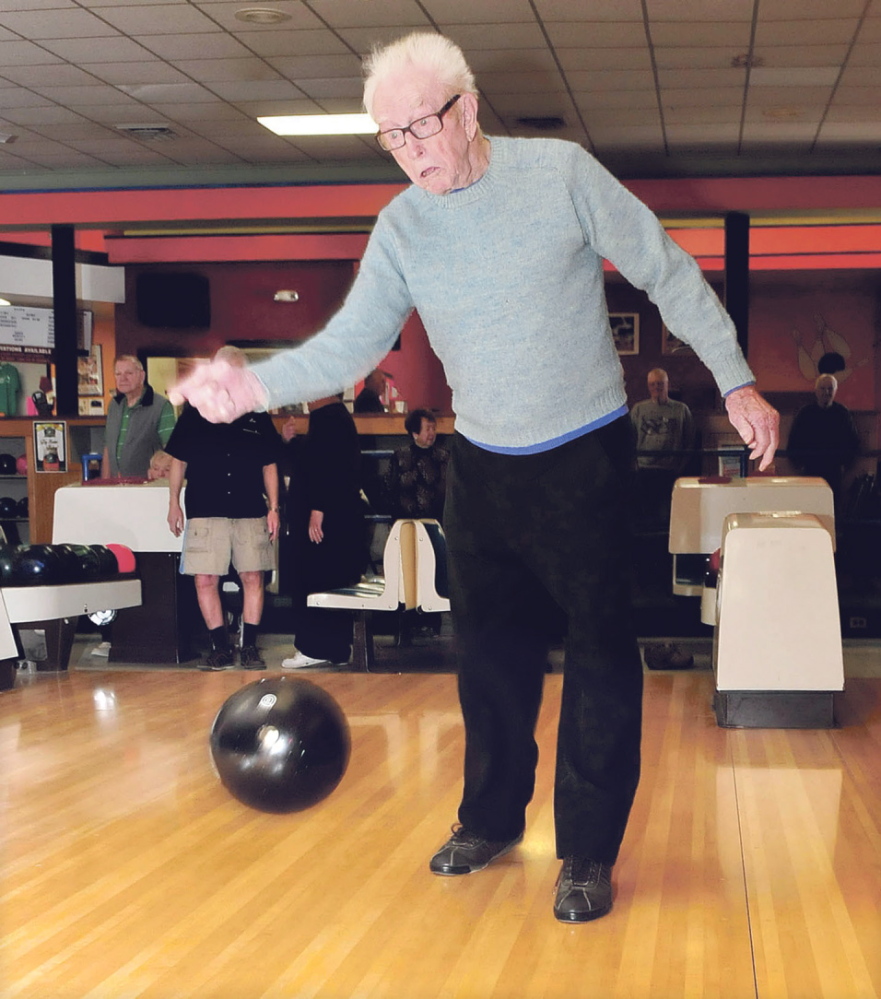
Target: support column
{"points": [[737, 275], [64, 309]]}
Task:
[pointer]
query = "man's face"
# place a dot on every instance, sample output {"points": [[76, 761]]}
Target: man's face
{"points": [[427, 433], [128, 377], [440, 163], [657, 386], [825, 393]]}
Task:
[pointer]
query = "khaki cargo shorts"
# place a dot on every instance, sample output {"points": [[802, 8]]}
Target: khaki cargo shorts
{"points": [[211, 543]]}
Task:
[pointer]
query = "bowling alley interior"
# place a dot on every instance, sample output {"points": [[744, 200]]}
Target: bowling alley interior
{"points": [[144, 211]]}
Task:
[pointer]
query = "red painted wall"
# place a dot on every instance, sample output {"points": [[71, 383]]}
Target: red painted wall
{"points": [[242, 308]]}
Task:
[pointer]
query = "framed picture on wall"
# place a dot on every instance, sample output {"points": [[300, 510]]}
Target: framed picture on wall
{"points": [[673, 345], [625, 331], [91, 375]]}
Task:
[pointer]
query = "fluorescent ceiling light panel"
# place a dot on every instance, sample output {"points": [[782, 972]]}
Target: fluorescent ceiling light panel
{"points": [[319, 124]]}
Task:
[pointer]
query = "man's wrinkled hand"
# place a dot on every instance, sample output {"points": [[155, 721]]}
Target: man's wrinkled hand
{"points": [[757, 422], [221, 392]]}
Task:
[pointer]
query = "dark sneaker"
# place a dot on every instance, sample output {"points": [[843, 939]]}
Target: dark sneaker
{"points": [[218, 659], [465, 853], [584, 890], [250, 658]]}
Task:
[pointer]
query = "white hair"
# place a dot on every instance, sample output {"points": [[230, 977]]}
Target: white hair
{"points": [[420, 50]]}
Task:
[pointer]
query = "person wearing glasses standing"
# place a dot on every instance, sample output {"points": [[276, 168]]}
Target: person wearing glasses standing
{"points": [[499, 244]]}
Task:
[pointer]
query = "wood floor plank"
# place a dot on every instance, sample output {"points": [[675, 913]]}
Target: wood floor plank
{"points": [[750, 865]]}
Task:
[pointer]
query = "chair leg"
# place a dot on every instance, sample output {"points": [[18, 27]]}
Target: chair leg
{"points": [[362, 645]]}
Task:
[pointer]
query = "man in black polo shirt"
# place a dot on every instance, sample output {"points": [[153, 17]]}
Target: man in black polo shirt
{"points": [[232, 477]]}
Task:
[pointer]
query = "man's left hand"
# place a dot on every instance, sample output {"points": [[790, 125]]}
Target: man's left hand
{"points": [[757, 422]]}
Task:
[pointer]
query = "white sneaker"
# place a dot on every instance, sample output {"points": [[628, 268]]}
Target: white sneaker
{"points": [[102, 650], [302, 661]]}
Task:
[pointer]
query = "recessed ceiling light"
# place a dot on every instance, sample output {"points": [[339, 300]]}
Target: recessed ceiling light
{"points": [[4, 303], [319, 124], [262, 15], [6, 137]]}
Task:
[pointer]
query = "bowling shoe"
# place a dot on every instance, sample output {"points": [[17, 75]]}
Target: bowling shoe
{"points": [[583, 890], [218, 659], [250, 658], [465, 853], [299, 660]]}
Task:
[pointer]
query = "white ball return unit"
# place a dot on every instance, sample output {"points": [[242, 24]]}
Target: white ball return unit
{"points": [[777, 653]]}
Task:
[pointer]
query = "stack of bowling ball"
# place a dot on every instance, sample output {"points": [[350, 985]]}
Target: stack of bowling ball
{"points": [[50, 565]]}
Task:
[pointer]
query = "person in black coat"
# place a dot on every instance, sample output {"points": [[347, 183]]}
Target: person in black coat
{"points": [[325, 508]]}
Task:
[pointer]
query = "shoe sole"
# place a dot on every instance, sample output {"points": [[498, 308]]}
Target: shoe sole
{"points": [[579, 917], [455, 872]]}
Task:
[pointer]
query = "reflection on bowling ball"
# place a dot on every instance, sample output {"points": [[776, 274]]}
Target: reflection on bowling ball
{"points": [[81, 564], [280, 745], [31, 565], [7, 465], [8, 508], [21, 507], [106, 561], [21, 464]]}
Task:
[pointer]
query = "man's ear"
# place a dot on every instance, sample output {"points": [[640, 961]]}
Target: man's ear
{"points": [[469, 106]]}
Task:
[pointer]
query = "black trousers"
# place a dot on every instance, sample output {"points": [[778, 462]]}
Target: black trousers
{"points": [[534, 540]]}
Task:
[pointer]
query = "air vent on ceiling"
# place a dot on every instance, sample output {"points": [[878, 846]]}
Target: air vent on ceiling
{"points": [[545, 123], [148, 133]]}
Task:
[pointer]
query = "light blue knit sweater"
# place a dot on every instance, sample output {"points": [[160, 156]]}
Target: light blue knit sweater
{"points": [[507, 278]]}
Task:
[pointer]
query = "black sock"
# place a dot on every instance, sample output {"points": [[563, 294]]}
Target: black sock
{"points": [[249, 634], [219, 639]]}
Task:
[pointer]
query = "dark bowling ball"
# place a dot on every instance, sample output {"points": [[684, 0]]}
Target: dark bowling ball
{"points": [[80, 563], [8, 508], [7, 565], [36, 565], [107, 563], [22, 507], [8, 465], [280, 745]]}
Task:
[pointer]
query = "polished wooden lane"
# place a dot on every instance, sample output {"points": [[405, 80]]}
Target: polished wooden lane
{"points": [[750, 867]]}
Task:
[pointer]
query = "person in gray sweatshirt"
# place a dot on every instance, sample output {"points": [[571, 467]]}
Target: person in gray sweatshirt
{"points": [[499, 245]]}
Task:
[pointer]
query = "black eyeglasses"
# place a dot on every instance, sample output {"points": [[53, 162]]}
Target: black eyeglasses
{"points": [[422, 128]]}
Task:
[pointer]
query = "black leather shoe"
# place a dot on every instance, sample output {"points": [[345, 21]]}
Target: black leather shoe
{"points": [[465, 852], [584, 890]]}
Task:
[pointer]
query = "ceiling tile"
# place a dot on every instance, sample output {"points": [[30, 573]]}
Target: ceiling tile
{"points": [[702, 97], [217, 70], [159, 93], [856, 132], [76, 96], [793, 76], [24, 54], [17, 97], [158, 19], [862, 76], [135, 73], [605, 58], [300, 16], [857, 96], [292, 43], [611, 79], [199, 45], [702, 10], [853, 114], [520, 83], [803, 55], [469, 12], [518, 36], [684, 57], [696, 134], [825, 32], [66, 23], [867, 54], [566, 10], [85, 50], [596, 34], [513, 61], [871, 29], [296, 68], [680, 78], [601, 99], [60, 74], [786, 10], [320, 90], [770, 96], [256, 90], [389, 13], [729, 35]]}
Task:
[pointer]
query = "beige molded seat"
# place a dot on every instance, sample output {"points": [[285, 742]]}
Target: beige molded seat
{"points": [[395, 590], [432, 589]]}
